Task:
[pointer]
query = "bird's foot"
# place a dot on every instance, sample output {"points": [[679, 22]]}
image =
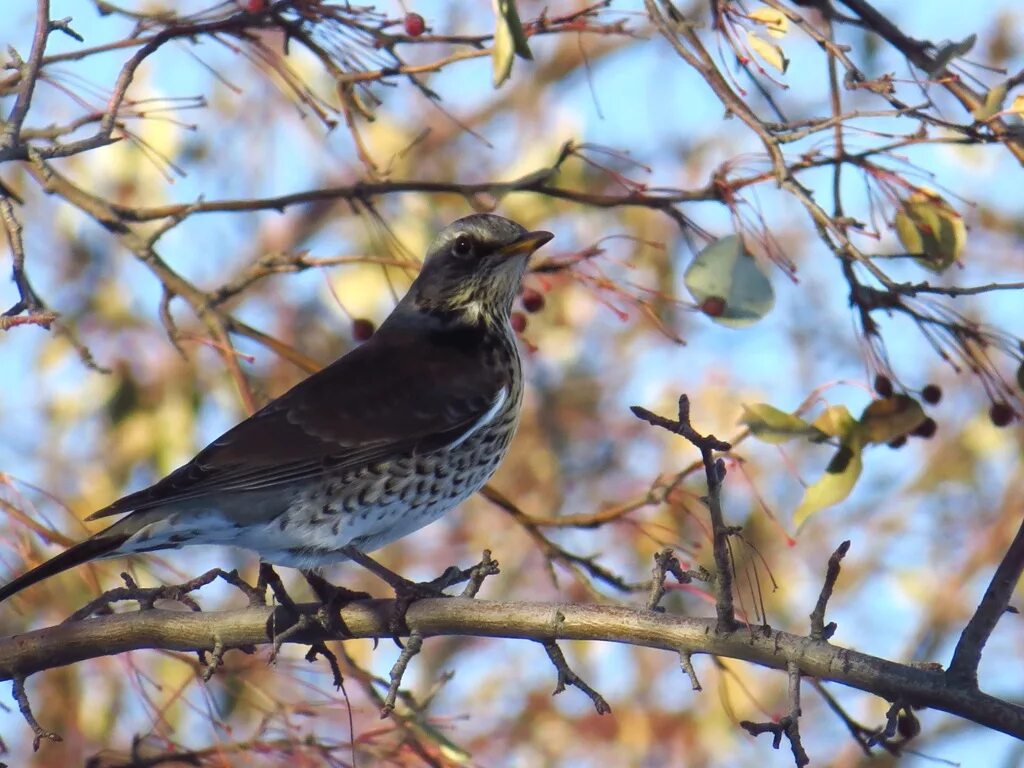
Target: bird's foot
{"points": [[332, 600], [408, 592]]}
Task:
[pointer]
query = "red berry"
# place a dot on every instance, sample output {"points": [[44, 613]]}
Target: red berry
{"points": [[713, 306], [533, 300], [898, 442], [414, 25], [362, 329], [926, 429], [255, 6], [883, 385], [518, 322], [1001, 414], [931, 394]]}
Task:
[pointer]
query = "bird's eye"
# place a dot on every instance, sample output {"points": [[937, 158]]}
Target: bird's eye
{"points": [[463, 246]]}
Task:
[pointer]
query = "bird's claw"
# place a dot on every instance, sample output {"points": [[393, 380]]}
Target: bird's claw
{"points": [[409, 592], [332, 600]]}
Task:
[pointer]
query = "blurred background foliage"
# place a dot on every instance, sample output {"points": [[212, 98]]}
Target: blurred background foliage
{"points": [[105, 403]]}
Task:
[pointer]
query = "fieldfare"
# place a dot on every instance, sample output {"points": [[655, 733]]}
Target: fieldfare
{"points": [[376, 445]]}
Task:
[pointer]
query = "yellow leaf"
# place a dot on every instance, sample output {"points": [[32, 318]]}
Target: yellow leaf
{"points": [[775, 22], [833, 486], [993, 103], [891, 417], [931, 229], [503, 50], [836, 420], [1017, 107], [770, 52], [771, 425], [908, 233]]}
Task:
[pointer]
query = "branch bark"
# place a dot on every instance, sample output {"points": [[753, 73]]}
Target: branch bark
{"points": [[963, 670], [23, 655]]}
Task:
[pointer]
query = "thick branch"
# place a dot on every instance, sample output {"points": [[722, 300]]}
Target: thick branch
{"points": [[963, 670], [25, 654]]}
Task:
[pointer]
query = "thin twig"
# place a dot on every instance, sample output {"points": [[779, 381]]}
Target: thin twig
{"points": [[819, 631], [413, 644], [714, 472], [789, 725], [686, 664], [567, 677], [25, 708]]}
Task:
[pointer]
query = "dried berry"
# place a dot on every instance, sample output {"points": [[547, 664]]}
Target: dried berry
{"points": [[518, 322], [926, 429], [883, 385], [713, 306], [533, 300], [1001, 414], [931, 394], [362, 329]]}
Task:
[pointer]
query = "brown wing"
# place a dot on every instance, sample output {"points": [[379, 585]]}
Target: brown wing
{"points": [[399, 392]]}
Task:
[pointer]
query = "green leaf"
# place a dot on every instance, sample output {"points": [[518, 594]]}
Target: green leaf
{"points": [[833, 486], [771, 425], [509, 40], [726, 276], [891, 417]]}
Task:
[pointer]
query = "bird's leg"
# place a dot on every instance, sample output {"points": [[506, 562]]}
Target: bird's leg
{"points": [[332, 599], [268, 578], [406, 592]]}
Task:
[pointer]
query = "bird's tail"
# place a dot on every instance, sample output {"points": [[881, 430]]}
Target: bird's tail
{"points": [[102, 544]]}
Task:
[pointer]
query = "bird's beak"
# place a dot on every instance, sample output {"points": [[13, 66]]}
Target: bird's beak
{"points": [[526, 244]]}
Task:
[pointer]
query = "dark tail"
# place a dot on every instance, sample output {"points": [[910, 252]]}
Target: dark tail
{"points": [[103, 543]]}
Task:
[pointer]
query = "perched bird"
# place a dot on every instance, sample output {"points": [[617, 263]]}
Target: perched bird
{"points": [[376, 445]]}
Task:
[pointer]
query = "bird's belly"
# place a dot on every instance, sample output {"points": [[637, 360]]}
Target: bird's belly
{"points": [[375, 508]]}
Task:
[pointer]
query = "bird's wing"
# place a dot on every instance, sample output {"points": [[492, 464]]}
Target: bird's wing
{"points": [[398, 393]]}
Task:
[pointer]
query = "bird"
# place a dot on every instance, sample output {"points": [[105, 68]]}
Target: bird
{"points": [[378, 444]]}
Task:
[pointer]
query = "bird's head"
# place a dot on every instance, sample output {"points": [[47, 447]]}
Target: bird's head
{"points": [[473, 270]]}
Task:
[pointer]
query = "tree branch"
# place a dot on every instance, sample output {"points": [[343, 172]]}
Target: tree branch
{"points": [[963, 670], [23, 655]]}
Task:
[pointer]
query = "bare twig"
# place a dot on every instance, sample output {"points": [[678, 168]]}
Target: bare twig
{"points": [[665, 563], [686, 664], [714, 472], [39, 733], [413, 644], [567, 677], [486, 567], [819, 631], [29, 76], [216, 659], [147, 597], [788, 725]]}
